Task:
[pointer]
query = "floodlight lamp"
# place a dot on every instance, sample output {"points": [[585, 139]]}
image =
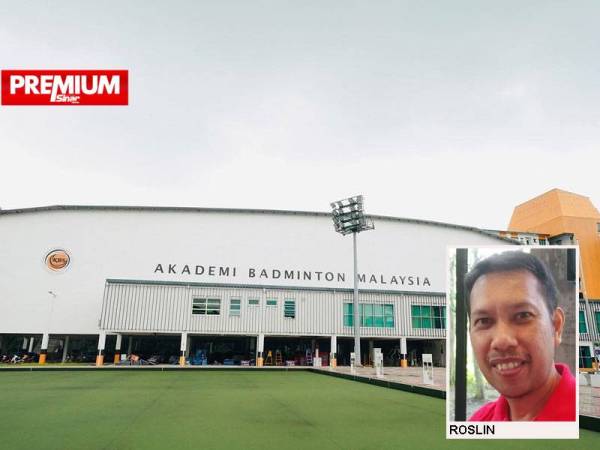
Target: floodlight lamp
{"points": [[348, 215]]}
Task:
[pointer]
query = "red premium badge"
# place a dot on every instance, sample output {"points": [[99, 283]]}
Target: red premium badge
{"points": [[65, 87]]}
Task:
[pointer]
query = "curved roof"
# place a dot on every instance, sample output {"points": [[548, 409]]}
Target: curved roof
{"points": [[240, 211]]}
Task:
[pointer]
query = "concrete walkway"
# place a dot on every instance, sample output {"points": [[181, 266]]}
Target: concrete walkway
{"points": [[406, 375], [589, 401]]}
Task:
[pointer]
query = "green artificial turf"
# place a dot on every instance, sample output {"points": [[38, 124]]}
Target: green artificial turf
{"points": [[225, 410]]}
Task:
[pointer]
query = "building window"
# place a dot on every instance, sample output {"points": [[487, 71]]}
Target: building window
{"points": [[597, 315], [289, 308], [206, 306], [235, 305], [585, 357], [348, 317], [426, 316], [388, 316], [271, 302], [374, 315], [253, 302], [582, 324]]}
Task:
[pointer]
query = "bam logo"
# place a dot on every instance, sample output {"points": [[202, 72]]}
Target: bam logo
{"points": [[65, 87], [57, 260]]}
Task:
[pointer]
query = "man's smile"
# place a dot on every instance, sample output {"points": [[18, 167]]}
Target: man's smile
{"points": [[508, 366]]}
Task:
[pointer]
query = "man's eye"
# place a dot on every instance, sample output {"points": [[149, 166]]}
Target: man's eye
{"points": [[524, 315], [482, 322]]}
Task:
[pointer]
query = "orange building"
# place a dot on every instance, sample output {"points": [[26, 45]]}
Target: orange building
{"points": [[562, 217], [560, 212]]}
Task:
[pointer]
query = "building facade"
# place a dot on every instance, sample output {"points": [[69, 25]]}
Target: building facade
{"points": [[565, 218], [220, 286]]}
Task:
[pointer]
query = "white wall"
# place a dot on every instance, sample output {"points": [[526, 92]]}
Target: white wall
{"points": [[129, 244]]}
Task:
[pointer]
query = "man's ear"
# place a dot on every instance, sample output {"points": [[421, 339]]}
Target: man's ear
{"points": [[558, 320]]}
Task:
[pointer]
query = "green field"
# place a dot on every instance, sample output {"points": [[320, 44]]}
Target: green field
{"points": [[224, 410]]}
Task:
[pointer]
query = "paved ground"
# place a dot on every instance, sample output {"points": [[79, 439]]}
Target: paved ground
{"points": [[405, 375], [589, 398], [589, 401]]}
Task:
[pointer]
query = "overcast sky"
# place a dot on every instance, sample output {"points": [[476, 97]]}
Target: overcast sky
{"points": [[449, 111]]}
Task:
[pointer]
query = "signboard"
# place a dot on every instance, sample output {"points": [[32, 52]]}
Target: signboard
{"points": [[427, 368], [378, 362]]}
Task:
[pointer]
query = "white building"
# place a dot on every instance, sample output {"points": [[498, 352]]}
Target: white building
{"points": [[234, 284]]}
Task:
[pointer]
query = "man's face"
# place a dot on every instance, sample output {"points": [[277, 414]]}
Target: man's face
{"points": [[512, 332]]}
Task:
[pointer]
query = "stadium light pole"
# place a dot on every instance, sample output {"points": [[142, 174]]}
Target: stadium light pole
{"points": [[348, 217]]}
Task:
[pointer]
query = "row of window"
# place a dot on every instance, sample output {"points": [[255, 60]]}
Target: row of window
{"points": [[427, 316], [373, 315], [382, 316], [583, 324], [370, 315], [212, 306]]}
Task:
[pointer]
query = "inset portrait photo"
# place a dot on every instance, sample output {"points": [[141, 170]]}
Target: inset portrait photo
{"points": [[512, 353]]}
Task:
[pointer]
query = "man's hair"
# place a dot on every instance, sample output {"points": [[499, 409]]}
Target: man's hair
{"points": [[511, 261]]}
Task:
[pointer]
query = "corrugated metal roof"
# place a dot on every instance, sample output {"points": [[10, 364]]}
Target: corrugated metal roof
{"points": [[239, 211]]}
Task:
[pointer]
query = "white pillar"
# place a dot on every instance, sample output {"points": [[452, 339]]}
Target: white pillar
{"points": [[403, 361], [333, 352], [44, 348], [65, 349], [45, 340], [24, 347], [101, 340], [183, 348], [129, 345], [118, 344], [31, 339], [101, 344], [188, 344], [260, 349]]}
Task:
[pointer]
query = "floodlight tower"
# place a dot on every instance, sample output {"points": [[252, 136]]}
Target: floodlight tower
{"points": [[348, 217]]}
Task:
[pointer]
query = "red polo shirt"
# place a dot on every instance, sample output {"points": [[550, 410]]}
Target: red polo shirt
{"points": [[559, 407]]}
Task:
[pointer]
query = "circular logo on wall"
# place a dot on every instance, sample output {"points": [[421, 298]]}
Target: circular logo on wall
{"points": [[57, 260]]}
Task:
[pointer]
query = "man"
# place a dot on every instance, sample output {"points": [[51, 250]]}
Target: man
{"points": [[515, 326]]}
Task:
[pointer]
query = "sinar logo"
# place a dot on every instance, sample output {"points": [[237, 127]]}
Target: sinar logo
{"points": [[64, 87], [57, 260]]}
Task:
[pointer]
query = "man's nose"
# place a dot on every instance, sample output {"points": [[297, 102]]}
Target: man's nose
{"points": [[504, 337]]}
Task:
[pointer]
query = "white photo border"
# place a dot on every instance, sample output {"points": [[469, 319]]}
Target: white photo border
{"points": [[510, 430]]}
